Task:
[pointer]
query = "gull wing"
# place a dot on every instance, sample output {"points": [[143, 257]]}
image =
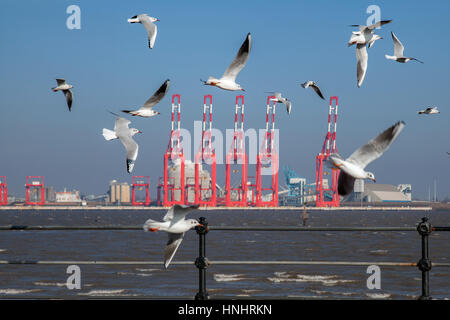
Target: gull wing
{"points": [[345, 183], [378, 24], [376, 147], [288, 106], [69, 97], [178, 212], [361, 66], [277, 95], [121, 124], [317, 90], [172, 246], [157, 96], [398, 46], [152, 30], [132, 149], [60, 81], [239, 61]]}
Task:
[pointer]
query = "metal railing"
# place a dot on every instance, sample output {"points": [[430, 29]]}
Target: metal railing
{"points": [[424, 228]]}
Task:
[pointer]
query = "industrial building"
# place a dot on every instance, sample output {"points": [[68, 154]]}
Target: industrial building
{"points": [[50, 194], [376, 192], [174, 175], [119, 192], [68, 196]]}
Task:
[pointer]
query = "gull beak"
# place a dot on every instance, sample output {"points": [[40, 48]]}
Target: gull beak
{"points": [[200, 225], [374, 180], [242, 90], [158, 20], [139, 131]]}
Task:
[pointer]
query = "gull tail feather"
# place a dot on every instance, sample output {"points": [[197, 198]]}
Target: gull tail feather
{"points": [[148, 224], [109, 134]]}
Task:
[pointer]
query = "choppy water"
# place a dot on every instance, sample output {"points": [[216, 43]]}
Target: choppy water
{"points": [[250, 281]]}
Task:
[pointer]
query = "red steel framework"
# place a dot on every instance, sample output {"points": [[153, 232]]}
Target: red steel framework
{"points": [[174, 154], [206, 154], [141, 182], [268, 154], [34, 183], [3, 191], [329, 146], [237, 155]]}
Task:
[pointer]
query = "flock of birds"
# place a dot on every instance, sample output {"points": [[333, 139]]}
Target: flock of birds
{"points": [[351, 168]]}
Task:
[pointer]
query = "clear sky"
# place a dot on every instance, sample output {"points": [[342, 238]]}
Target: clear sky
{"points": [[111, 67]]}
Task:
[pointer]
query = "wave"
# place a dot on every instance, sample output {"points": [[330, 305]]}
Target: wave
{"points": [[379, 252], [18, 291], [378, 295], [134, 274], [146, 270], [50, 284], [107, 293], [228, 277], [325, 280], [57, 284]]}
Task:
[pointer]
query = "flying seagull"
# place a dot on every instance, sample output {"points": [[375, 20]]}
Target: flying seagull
{"points": [[361, 65], [146, 110], [228, 80], [124, 134], [175, 224], [278, 98], [365, 34], [429, 110], [65, 88], [353, 167], [398, 52], [313, 85], [148, 24]]}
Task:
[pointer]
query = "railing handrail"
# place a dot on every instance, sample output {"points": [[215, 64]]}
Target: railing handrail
{"points": [[225, 262], [218, 228]]}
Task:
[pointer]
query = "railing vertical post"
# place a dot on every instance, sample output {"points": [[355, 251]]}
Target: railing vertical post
{"points": [[201, 262], [424, 264]]}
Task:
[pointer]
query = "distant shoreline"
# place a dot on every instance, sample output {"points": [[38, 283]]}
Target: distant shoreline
{"points": [[113, 208]]}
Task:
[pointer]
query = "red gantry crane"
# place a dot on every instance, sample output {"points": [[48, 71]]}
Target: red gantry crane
{"points": [[206, 195], [34, 187], [236, 196], [328, 197], [3, 191], [268, 155], [141, 182], [174, 191]]}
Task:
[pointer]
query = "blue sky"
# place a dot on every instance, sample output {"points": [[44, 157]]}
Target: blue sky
{"points": [[111, 67]]}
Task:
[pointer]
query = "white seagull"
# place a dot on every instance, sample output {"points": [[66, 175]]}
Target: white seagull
{"points": [[361, 65], [175, 224], [228, 80], [353, 167], [313, 85], [429, 110], [398, 52], [124, 134], [148, 24], [278, 98], [146, 110], [365, 34], [65, 88]]}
